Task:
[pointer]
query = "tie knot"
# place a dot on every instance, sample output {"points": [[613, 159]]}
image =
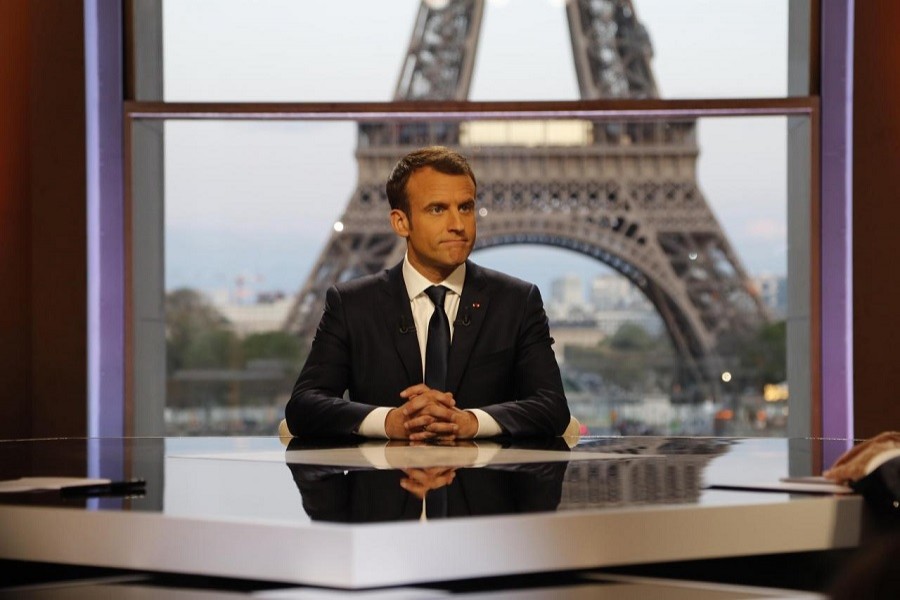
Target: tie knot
{"points": [[436, 294]]}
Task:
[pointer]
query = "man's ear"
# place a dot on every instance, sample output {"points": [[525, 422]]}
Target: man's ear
{"points": [[400, 222]]}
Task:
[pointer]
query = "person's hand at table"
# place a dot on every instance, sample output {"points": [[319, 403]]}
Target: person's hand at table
{"points": [[429, 414], [414, 415], [446, 425], [851, 466], [419, 482]]}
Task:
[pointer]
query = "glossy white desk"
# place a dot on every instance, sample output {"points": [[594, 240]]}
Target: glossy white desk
{"points": [[231, 507]]}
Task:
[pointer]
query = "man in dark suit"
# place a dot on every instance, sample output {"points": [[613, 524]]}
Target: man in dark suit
{"points": [[380, 334]]}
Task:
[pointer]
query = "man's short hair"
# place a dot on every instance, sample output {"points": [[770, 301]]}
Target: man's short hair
{"points": [[441, 159]]}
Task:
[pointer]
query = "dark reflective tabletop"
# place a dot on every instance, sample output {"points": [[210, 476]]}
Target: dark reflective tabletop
{"points": [[265, 479]]}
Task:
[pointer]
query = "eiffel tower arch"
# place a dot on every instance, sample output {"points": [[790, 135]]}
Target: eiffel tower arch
{"points": [[625, 194]]}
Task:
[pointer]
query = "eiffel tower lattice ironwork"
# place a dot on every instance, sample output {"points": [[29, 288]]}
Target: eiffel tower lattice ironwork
{"points": [[626, 194]]}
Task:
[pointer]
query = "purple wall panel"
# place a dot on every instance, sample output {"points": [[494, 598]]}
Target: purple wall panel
{"points": [[837, 223], [105, 208]]}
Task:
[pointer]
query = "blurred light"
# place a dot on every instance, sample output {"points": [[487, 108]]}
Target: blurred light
{"points": [[692, 256], [338, 226], [774, 392], [482, 211], [726, 376]]}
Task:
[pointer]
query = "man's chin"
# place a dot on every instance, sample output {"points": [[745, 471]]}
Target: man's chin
{"points": [[458, 257]]}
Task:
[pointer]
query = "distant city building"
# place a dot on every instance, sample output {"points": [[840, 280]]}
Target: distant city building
{"points": [[773, 291], [567, 292], [609, 321], [267, 313], [577, 333], [614, 301], [615, 292]]}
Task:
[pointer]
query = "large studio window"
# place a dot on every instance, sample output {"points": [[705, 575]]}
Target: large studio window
{"points": [[694, 217]]}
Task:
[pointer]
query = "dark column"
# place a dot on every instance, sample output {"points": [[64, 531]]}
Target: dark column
{"points": [[876, 217], [15, 221], [59, 223], [43, 262]]}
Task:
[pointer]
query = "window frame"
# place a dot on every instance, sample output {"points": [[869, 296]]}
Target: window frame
{"points": [[827, 34], [138, 114]]}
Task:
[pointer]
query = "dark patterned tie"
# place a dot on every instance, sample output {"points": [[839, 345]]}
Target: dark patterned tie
{"points": [[437, 352], [437, 348]]}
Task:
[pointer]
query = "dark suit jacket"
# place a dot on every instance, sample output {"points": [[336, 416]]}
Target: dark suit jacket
{"points": [[881, 488], [501, 359]]}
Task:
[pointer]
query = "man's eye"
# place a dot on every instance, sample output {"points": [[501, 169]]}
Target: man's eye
{"points": [[466, 208], [436, 210]]}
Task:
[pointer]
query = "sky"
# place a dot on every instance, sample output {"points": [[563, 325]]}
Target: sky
{"points": [[257, 199]]}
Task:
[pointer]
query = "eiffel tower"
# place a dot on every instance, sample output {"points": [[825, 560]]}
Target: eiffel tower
{"points": [[625, 194]]}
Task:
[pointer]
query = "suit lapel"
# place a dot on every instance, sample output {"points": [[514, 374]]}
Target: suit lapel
{"points": [[473, 306], [397, 315]]}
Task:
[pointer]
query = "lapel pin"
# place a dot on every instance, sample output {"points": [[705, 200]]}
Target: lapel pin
{"points": [[476, 305]]}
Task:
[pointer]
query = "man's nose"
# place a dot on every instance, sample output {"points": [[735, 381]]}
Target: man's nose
{"points": [[455, 221]]}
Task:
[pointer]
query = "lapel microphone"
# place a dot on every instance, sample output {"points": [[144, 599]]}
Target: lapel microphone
{"points": [[406, 327], [465, 320]]}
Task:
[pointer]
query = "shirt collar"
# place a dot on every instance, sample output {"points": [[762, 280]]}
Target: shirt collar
{"points": [[416, 283]]}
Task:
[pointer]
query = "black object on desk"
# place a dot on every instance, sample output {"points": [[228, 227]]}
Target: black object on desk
{"points": [[130, 487]]}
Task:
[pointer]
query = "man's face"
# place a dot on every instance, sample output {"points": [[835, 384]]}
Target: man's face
{"points": [[440, 227]]}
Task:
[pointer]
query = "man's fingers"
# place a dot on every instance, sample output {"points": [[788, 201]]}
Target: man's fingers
{"points": [[420, 395], [418, 423], [414, 390], [422, 401], [840, 474], [414, 405], [442, 427], [420, 388]]}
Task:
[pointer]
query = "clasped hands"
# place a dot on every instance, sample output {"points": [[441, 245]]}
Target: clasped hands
{"points": [[429, 415]]}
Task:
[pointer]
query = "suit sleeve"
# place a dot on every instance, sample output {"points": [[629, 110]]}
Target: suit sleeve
{"points": [[539, 407], [317, 405], [881, 489]]}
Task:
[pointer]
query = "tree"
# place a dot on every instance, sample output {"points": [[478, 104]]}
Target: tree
{"points": [[272, 345], [631, 359], [212, 349], [197, 335], [632, 338], [764, 357]]}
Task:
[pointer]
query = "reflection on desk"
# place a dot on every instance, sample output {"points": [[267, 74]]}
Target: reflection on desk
{"points": [[627, 471], [657, 470], [371, 495]]}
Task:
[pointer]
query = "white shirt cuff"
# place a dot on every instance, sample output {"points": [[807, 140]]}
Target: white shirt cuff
{"points": [[373, 426], [487, 426]]}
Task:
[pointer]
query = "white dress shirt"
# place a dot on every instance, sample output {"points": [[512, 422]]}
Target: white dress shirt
{"points": [[422, 309]]}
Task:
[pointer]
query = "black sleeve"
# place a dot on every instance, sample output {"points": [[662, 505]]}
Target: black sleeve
{"points": [[881, 488], [317, 405], [540, 407]]}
